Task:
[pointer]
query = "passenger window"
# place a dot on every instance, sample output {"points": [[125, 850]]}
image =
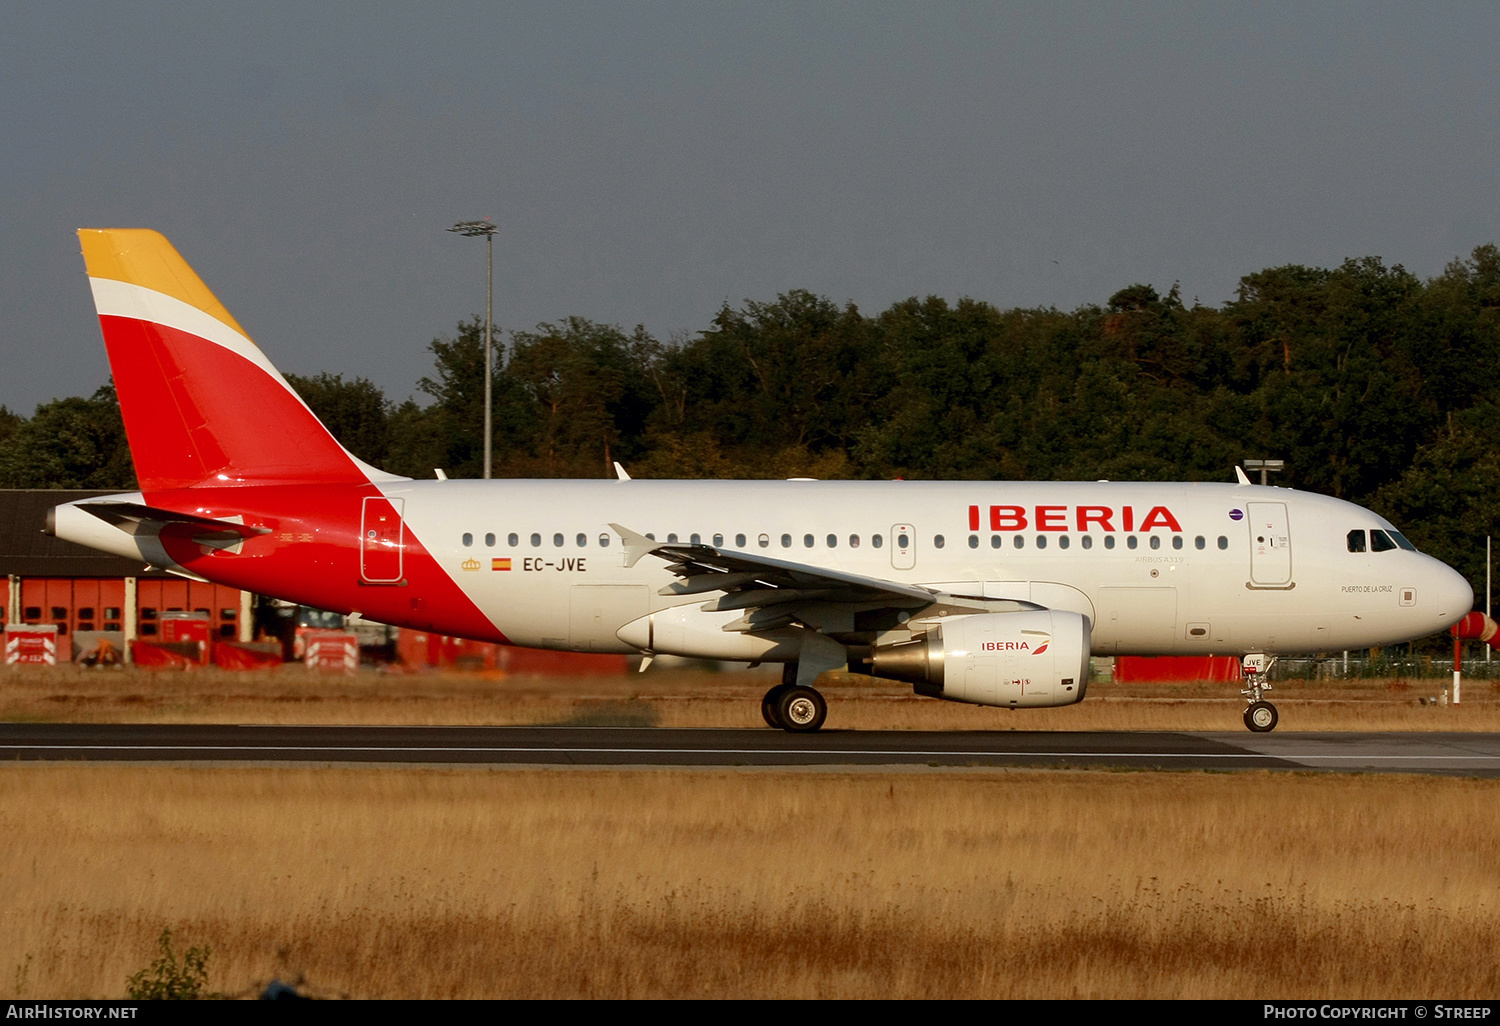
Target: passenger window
{"points": [[583, 541], [938, 541], [468, 539], [1020, 542], [604, 541], [1041, 541], [1176, 541], [786, 541], [489, 540], [1381, 542], [86, 613], [1223, 542], [996, 541], [1130, 542], [739, 541], [854, 541], [876, 540], [672, 538], [35, 613], [1062, 541], [833, 541], [808, 541], [973, 541], [695, 538], [557, 541], [1199, 542], [1356, 541], [764, 540], [1109, 541], [1156, 541], [718, 540], [536, 541], [513, 539], [1088, 541]]}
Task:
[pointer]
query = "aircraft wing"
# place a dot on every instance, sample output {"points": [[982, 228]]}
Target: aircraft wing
{"points": [[776, 592]]}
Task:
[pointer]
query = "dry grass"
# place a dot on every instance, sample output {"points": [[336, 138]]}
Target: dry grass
{"points": [[688, 698], [751, 883]]}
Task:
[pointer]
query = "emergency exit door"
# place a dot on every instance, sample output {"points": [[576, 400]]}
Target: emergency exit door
{"points": [[381, 540], [903, 547]]}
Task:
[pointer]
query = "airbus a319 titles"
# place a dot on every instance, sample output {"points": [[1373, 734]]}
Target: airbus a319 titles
{"points": [[989, 593]]}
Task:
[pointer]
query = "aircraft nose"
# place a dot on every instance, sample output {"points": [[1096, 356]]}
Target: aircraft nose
{"points": [[1451, 593]]}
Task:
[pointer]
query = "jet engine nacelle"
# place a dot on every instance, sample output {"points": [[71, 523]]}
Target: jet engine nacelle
{"points": [[1016, 660]]}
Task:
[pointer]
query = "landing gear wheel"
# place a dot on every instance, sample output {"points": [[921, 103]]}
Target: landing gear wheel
{"points": [[800, 709], [768, 707], [1261, 717]]}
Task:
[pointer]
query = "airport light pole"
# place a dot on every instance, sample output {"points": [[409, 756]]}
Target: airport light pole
{"points": [[1264, 466], [487, 229]]}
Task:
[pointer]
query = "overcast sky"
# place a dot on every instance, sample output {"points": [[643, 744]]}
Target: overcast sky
{"points": [[648, 162]]}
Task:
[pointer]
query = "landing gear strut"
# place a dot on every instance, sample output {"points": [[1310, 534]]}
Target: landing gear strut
{"points": [[1260, 715], [793, 707]]}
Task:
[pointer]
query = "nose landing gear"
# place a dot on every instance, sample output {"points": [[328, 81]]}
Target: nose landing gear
{"points": [[1260, 715]]}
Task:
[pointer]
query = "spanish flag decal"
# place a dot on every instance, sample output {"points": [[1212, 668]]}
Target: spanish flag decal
{"points": [[500, 564]]}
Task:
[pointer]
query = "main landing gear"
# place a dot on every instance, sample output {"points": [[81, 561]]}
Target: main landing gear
{"points": [[793, 707], [1260, 715]]}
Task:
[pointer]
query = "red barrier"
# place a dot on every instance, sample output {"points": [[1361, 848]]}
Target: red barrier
{"points": [[1166, 669], [31, 643], [168, 656], [235, 655]]}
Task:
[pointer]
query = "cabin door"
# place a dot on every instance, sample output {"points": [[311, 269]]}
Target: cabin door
{"points": [[1270, 545]]}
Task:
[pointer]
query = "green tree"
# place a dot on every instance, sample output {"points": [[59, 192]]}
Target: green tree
{"points": [[69, 443]]}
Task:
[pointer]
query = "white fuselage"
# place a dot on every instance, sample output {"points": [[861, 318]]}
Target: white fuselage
{"points": [[1157, 568]]}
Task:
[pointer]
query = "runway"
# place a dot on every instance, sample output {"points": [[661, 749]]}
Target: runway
{"points": [[1453, 754]]}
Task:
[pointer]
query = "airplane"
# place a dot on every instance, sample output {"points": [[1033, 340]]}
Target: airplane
{"points": [[995, 593]]}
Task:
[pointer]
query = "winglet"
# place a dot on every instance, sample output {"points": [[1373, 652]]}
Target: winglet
{"points": [[636, 545], [620, 472], [1239, 472]]}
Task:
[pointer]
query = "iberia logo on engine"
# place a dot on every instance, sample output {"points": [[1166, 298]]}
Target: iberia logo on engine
{"points": [[1014, 646]]}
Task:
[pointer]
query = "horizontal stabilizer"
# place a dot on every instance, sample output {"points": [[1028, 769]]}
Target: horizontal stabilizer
{"points": [[135, 518]]}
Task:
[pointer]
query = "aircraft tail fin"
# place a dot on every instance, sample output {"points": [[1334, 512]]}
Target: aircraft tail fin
{"points": [[202, 404]]}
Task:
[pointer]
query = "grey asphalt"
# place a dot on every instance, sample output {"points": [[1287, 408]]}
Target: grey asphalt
{"points": [[1448, 754]]}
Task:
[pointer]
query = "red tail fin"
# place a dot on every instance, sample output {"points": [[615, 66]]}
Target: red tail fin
{"points": [[202, 404]]}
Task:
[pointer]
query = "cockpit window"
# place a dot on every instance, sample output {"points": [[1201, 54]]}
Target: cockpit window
{"points": [[1402, 541], [1380, 541], [1356, 541]]}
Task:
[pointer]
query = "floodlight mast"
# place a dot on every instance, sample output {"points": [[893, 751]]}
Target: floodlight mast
{"points": [[487, 229]]}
